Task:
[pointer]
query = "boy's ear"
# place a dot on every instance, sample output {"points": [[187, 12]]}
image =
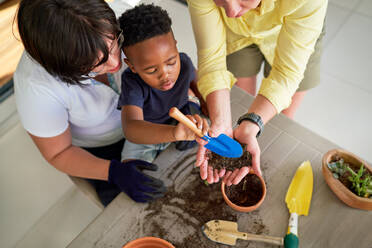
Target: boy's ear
{"points": [[130, 65]]}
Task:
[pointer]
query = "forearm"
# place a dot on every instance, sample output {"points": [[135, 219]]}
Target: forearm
{"points": [[219, 111], [72, 160], [144, 132], [77, 162], [263, 107]]}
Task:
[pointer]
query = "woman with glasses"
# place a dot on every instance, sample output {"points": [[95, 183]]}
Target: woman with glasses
{"points": [[66, 93]]}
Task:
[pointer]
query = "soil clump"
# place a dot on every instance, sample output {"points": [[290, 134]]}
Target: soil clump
{"points": [[219, 162]]}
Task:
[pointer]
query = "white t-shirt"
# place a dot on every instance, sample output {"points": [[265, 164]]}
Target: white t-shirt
{"points": [[47, 106]]}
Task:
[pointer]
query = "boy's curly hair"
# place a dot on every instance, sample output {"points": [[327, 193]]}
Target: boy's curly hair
{"points": [[144, 22]]}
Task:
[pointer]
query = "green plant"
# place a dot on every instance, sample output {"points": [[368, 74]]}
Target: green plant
{"points": [[338, 168], [362, 185]]}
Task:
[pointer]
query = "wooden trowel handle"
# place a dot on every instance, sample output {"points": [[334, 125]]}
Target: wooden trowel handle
{"points": [[262, 238], [176, 114]]}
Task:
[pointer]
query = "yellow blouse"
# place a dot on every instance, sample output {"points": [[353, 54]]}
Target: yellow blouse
{"points": [[284, 30]]}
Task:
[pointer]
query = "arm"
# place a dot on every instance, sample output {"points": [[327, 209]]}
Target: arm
{"points": [[246, 133], [144, 132], [298, 35], [220, 115], [75, 161], [72, 160], [138, 131], [214, 81], [46, 119], [219, 112], [211, 44], [295, 44]]}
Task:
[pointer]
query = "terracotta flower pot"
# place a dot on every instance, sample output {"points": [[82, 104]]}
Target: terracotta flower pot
{"points": [[341, 191], [148, 242], [244, 208]]}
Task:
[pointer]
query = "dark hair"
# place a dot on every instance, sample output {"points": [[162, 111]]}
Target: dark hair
{"points": [[66, 36], [144, 22]]}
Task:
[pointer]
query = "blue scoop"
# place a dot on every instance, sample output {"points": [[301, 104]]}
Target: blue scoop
{"points": [[223, 145]]}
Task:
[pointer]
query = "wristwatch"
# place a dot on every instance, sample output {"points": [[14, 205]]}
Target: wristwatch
{"points": [[255, 118]]}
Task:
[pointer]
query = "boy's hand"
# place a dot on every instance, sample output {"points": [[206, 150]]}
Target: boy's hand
{"points": [[181, 132]]}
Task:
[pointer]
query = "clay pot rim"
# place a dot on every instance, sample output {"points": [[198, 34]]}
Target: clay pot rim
{"points": [[242, 208], [335, 183], [149, 240]]}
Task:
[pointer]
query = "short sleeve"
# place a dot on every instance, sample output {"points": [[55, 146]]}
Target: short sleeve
{"points": [[132, 92], [41, 112]]}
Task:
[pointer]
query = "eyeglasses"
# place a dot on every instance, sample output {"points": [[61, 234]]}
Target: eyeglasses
{"points": [[117, 45], [120, 39]]}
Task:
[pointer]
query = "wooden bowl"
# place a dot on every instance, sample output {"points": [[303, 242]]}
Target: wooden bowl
{"points": [[243, 208], [343, 193], [148, 242]]}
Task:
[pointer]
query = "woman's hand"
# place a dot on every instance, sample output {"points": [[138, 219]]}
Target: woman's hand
{"points": [[246, 133], [182, 132]]}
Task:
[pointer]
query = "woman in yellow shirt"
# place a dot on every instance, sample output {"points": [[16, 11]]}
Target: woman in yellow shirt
{"points": [[234, 37]]}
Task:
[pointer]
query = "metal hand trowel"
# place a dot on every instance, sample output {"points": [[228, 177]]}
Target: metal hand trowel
{"points": [[226, 232], [298, 201], [223, 145]]}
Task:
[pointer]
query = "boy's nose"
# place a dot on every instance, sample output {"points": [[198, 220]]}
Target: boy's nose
{"points": [[163, 74]]}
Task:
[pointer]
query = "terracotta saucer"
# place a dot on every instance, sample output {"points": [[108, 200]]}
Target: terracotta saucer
{"points": [[343, 193], [148, 242]]}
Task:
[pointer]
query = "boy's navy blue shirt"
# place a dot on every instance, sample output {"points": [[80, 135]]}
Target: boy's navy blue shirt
{"points": [[156, 103]]}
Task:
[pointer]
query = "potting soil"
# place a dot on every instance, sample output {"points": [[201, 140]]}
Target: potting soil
{"points": [[219, 162], [247, 193], [188, 204]]}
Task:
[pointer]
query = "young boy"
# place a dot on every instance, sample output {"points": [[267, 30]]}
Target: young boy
{"points": [[158, 78]]}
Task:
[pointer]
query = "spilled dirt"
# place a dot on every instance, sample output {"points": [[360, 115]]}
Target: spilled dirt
{"points": [[188, 204]]}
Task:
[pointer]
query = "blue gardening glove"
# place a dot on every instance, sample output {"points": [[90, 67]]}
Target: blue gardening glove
{"points": [[129, 178]]}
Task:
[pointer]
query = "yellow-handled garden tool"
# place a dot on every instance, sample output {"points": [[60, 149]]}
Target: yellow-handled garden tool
{"points": [[298, 201]]}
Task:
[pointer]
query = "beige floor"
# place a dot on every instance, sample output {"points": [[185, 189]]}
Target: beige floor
{"points": [[41, 208]]}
